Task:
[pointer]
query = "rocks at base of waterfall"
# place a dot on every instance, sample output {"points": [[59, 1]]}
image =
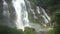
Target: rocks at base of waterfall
{"points": [[43, 32]]}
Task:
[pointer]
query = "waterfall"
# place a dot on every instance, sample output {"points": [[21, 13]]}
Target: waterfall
{"points": [[21, 14], [21, 11]]}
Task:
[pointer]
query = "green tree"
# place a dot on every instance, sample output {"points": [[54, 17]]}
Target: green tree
{"points": [[4, 29], [56, 22]]}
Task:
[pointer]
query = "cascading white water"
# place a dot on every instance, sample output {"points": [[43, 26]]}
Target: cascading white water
{"points": [[21, 14], [44, 15]]}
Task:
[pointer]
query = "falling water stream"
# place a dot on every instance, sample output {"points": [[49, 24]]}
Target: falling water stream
{"points": [[21, 14]]}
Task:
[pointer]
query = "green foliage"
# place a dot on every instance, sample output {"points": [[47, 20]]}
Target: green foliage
{"points": [[51, 32], [56, 17], [56, 21], [29, 31], [4, 29]]}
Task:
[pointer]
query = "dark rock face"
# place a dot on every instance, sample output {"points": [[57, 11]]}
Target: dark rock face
{"points": [[11, 11], [1, 10], [4, 17]]}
